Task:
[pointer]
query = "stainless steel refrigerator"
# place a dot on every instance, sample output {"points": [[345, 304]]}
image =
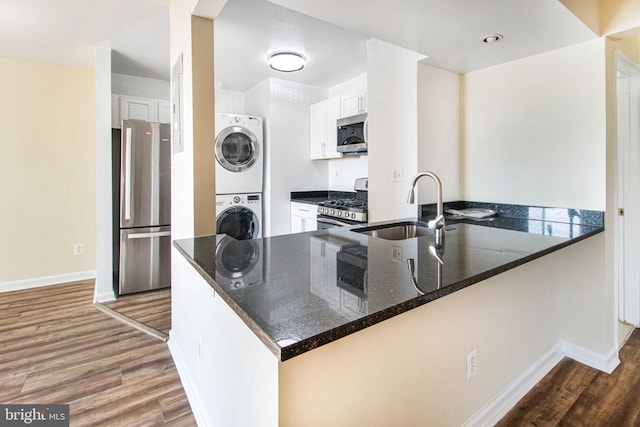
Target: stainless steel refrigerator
{"points": [[145, 207]]}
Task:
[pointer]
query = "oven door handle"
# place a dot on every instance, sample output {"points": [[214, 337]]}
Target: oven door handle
{"points": [[333, 222]]}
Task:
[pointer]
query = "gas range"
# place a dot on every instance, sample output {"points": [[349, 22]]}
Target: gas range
{"points": [[346, 211], [352, 209]]}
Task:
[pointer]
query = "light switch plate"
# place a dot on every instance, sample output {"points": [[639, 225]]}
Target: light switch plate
{"points": [[396, 175]]}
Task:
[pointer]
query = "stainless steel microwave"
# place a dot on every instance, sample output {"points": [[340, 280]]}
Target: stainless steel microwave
{"points": [[352, 134]]}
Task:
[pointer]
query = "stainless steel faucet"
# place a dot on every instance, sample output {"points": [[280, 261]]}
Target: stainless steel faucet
{"points": [[437, 223]]}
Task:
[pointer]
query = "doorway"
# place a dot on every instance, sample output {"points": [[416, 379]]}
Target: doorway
{"points": [[628, 189]]}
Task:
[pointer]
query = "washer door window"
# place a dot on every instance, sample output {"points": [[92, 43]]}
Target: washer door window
{"points": [[237, 149], [239, 223]]}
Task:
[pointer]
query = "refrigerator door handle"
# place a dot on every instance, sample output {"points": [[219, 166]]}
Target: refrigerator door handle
{"points": [[148, 235], [127, 174]]}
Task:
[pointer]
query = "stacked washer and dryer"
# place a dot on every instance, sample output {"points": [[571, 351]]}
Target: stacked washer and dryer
{"points": [[239, 153], [239, 156]]}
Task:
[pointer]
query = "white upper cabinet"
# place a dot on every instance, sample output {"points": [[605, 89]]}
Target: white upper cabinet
{"points": [[164, 112], [353, 103], [323, 129], [138, 109], [134, 108]]}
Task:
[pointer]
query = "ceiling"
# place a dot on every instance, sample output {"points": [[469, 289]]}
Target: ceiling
{"points": [[246, 31], [448, 32], [66, 32]]}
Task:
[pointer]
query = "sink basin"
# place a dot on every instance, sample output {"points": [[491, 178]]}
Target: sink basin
{"points": [[397, 231]]}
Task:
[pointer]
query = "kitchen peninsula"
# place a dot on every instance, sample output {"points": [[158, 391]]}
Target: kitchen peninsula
{"points": [[337, 327]]}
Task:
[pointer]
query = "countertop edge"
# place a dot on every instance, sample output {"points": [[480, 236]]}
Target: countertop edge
{"points": [[360, 324], [334, 334]]}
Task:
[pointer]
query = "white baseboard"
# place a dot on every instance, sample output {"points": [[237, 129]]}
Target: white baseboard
{"points": [[189, 389], [37, 282], [602, 362], [104, 297], [493, 412]]}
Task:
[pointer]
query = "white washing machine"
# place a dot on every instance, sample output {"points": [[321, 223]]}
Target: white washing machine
{"points": [[239, 215], [239, 154]]}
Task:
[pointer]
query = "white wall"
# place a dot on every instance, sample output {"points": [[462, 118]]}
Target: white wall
{"points": [[535, 130], [439, 138], [256, 102], [182, 171], [287, 163], [104, 214], [344, 171], [354, 84], [215, 377], [393, 133], [142, 87], [229, 101]]}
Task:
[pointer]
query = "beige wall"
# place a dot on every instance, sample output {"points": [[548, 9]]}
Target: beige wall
{"points": [[439, 137], [47, 169], [630, 46], [606, 16], [410, 370], [204, 186], [535, 130]]}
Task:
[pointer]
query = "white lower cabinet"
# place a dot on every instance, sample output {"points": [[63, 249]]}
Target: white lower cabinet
{"points": [[303, 217]]}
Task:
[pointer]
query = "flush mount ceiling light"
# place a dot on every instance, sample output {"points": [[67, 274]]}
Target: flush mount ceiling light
{"points": [[492, 38], [286, 61]]}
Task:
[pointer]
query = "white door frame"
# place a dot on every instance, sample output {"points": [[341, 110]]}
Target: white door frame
{"points": [[628, 189]]}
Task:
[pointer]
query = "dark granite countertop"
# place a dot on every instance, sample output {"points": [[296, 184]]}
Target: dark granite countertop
{"points": [[300, 291], [316, 197]]}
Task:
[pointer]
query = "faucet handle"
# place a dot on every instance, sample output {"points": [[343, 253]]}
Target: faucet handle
{"points": [[437, 222]]}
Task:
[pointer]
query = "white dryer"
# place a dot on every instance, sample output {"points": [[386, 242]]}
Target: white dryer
{"points": [[239, 154], [239, 215]]}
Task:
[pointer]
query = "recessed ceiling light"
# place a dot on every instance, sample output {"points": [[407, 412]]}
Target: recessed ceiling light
{"points": [[492, 38], [286, 61]]}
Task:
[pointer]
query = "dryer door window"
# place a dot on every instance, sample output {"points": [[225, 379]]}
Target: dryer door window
{"points": [[237, 149], [239, 223]]}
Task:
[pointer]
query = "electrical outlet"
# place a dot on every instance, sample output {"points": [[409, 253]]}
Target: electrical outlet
{"points": [[396, 254], [472, 364], [78, 249], [396, 175]]}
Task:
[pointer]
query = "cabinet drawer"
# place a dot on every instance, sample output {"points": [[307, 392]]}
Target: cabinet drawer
{"points": [[304, 210]]}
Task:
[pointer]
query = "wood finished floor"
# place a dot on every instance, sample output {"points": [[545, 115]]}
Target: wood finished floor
{"points": [[55, 347], [573, 394], [151, 308]]}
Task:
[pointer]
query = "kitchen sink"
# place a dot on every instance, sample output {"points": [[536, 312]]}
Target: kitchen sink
{"points": [[397, 230]]}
